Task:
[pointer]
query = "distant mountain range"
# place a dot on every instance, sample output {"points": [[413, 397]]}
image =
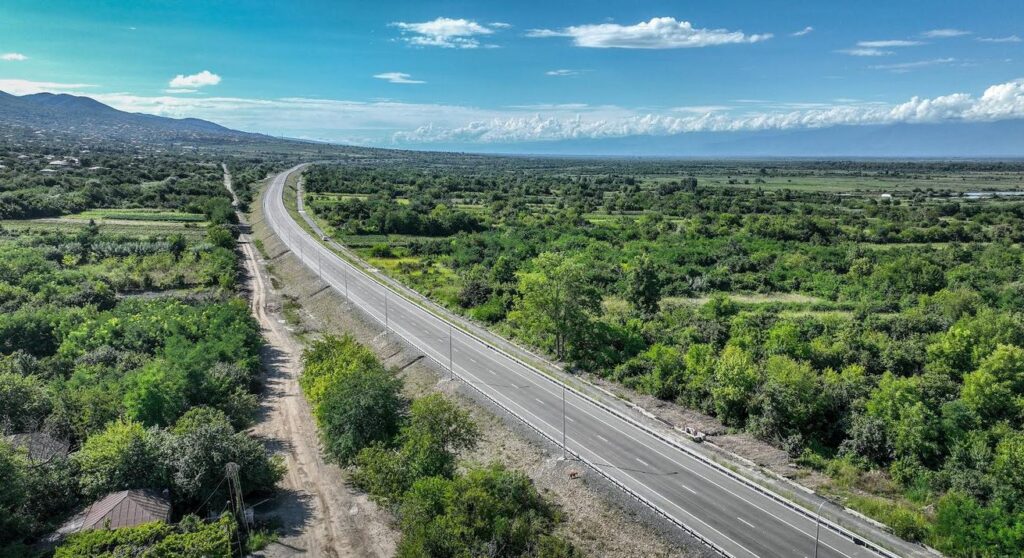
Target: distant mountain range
{"points": [[89, 118]]}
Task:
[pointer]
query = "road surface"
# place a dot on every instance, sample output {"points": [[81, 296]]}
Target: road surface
{"points": [[727, 514]]}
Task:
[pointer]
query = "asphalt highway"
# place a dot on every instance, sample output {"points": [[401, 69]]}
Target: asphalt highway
{"points": [[727, 513]]}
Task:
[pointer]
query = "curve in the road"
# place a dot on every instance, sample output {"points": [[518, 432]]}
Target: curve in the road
{"points": [[725, 513]]}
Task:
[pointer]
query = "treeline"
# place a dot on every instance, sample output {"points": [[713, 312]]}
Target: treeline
{"points": [[405, 455], [143, 392], [886, 352]]}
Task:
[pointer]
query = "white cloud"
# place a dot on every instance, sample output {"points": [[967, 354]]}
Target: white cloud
{"points": [[892, 43], [944, 33], [202, 79], [13, 57], [998, 102], [865, 51], [397, 77], [500, 25], [180, 91], [405, 124], [1007, 39], [445, 32], [658, 33], [562, 72], [28, 87], [805, 31], [905, 67]]}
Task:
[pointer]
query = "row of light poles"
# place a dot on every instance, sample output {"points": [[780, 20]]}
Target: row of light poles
{"points": [[451, 371]]}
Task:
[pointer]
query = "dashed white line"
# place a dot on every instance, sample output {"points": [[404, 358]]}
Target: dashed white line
{"points": [[751, 525], [642, 462], [688, 488]]}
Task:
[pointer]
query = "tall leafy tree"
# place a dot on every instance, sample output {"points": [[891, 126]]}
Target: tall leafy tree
{"points": [[557, 301]]}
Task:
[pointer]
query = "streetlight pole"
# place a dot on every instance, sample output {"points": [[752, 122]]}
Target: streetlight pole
{"points": [[817, 529], [563, 423]]}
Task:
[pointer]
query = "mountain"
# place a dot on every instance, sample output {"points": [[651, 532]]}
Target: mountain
{"points": [[90, 119], [1000, 139]]}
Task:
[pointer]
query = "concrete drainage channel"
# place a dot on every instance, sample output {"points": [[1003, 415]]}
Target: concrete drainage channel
{"points": [[855, 538]]}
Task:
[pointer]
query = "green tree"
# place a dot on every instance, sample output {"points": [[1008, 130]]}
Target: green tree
{"points": [[357, 401], [736, 380], [13, 493], [557, 302], [643, 285], [124, 455], [196, 450]]}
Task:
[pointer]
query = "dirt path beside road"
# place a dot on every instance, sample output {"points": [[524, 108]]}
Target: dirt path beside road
{"points": [[319, 514]]}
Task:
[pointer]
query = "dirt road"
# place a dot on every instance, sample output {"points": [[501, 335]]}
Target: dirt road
{"points": [[320, 515]]}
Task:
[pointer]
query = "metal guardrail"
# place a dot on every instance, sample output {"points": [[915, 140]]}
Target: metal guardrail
{"points": [[836, 528]]}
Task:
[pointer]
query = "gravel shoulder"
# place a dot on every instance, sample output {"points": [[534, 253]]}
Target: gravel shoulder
{"points": [[599, 519]]}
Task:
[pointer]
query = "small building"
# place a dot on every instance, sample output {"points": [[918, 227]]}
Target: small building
{"points": [[127, 508], [40, 446]]}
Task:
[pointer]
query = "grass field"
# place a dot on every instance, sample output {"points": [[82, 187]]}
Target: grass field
{"points": [[140, 214], [156, 228]]}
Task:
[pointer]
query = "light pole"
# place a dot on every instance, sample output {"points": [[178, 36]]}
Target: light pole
{"points": [[451, 365], [817, 529], [563, 423], [344, 271]]}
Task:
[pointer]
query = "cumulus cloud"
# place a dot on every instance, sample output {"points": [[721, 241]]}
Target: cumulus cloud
{"points": [[194, 81], [397, 77], [28, 87], [406, 124], [13, 57], [909, 66], [658, 33], [1007, 39], [445, 32], [998, 102], [562, 72], [944, 33], [805, 31]]}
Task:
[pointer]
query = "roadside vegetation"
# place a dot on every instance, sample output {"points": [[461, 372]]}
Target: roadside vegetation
{"points": [[125, 353], [406, 456], [885, 348]]}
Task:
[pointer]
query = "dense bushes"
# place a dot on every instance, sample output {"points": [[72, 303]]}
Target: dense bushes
{"points": [[190, 538], [887, 345], [406, 456]]}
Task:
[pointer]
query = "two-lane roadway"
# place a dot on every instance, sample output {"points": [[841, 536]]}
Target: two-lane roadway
{"points": [[728, 514]]}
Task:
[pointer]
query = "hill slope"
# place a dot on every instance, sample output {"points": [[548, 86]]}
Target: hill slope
{"points": [[89, 118]]}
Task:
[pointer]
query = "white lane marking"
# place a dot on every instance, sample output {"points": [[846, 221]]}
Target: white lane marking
{"points": [[642, 462], [538, 400], [532, 379], [600, 437], [692, 471], [570, 419], [751, 525], [688, 488]]}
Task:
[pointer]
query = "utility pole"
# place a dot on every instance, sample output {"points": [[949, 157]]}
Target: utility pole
{"points": [[344, 270], [817, 530], [564, 450], [451, 365]]}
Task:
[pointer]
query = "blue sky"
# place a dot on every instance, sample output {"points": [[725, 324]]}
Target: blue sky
{"points": [[458, 73]]}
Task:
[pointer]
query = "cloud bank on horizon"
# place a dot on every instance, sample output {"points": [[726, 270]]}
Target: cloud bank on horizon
{"points": [[534, 72], [424, 124]]}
